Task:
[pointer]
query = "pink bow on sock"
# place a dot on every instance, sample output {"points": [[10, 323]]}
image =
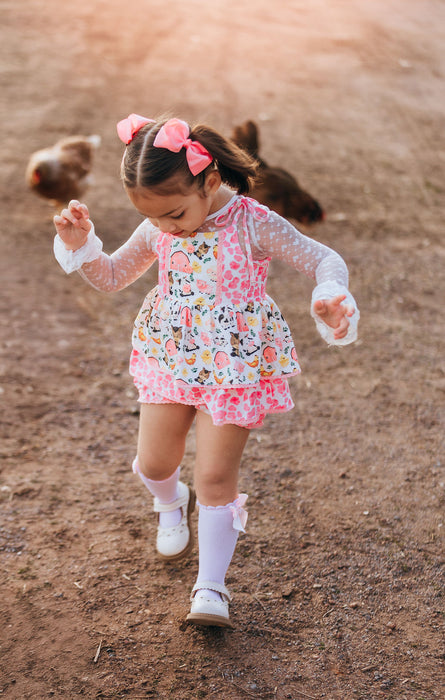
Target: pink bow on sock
{"points": [[129, 127], [174, 135], [238, 512]]}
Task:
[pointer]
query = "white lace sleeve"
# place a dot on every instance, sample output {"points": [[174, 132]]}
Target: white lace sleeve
{"points": [[109, 273], [277, 238]]}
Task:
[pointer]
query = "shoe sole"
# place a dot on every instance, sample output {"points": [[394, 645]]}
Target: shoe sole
{"points": [[209, 620], [183, 553]]}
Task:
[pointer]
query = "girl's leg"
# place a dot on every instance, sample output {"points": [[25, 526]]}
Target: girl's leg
{"points": [[163, 430], [219, 450]]}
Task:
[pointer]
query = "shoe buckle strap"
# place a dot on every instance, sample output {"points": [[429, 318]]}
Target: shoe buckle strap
{"points": [[169, 507], [211, 586], [180, 502]]}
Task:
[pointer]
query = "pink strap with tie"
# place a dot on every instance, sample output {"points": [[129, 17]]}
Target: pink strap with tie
{"points": [[240, 209]]}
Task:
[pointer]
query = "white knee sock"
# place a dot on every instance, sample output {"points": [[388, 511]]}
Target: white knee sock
{"points": [[218, 530], [166, 491]]}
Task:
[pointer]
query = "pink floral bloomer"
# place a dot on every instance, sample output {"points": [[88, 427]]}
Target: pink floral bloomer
{"points": [[209, 336]]}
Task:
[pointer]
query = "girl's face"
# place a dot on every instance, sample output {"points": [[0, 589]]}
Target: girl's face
{"points": [[178, 214]]}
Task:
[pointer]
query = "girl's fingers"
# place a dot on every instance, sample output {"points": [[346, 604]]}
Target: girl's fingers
{"points": [[79, 210], [335, 314], [343, 326], [340, 332], [66, 214], [320, 307], [73, 204], [336, 301], [71, 216]]}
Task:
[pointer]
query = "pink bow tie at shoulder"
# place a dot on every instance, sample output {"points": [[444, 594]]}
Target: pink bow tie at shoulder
{"points": [[241, 207], [174, 135], [239, 514], [129, 127]]}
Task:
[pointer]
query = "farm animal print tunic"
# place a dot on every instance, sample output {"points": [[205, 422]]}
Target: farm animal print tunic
{"points": [[209, 335], [212, 326]]}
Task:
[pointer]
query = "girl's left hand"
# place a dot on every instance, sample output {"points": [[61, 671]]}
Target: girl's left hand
{"points": [[73, 225], [335, 314]]}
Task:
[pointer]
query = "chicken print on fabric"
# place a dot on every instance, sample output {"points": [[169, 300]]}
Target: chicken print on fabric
{"points": [[199, 330]]}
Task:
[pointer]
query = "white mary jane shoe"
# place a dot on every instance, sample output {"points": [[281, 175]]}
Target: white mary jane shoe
{"points": [[173, 543], [207, 611]]}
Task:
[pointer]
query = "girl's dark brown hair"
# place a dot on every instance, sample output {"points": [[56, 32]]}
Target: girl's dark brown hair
{"points": [[145, 165]]}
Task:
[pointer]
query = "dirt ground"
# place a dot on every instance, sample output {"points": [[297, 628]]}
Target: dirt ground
{"points": [[338, 583]]}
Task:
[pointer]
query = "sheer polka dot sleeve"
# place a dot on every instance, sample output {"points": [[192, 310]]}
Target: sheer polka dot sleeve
{"points": [[109, 273], [277, 238]]}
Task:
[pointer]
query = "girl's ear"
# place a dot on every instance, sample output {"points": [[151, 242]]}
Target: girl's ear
{"points": [[212, 183]]}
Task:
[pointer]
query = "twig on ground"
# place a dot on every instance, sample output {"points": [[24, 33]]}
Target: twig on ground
{"points": [[98, 652], [300, 692], [369, 668], [259, 601], [277, 631], [247, 692]]}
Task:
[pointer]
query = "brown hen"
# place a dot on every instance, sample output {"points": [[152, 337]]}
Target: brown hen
{"points": [[275, 187], [62, 172]]}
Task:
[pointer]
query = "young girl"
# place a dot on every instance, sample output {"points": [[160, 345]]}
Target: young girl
{"points": [[208, 343]]}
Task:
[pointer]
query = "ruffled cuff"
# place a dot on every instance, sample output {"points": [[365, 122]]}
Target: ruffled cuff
{"points": [[328, 290], [71, 260]]}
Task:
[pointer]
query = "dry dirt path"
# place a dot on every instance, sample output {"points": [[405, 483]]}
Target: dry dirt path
{"points": [[338, 584]]}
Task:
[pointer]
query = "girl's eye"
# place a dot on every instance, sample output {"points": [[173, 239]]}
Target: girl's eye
{"points": [[178, 216]]}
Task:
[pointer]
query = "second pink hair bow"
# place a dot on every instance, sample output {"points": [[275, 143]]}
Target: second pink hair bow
{"points": [[174, 135], [129, 127]]}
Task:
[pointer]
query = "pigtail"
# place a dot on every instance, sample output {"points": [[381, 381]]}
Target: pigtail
{"points": [[236, 167]]}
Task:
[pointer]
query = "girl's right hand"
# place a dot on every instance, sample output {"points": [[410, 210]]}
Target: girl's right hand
{"points": [[73, 225]]}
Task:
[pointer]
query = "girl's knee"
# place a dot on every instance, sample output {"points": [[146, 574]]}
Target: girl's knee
{"points": [[216, 487], [153, 469]]}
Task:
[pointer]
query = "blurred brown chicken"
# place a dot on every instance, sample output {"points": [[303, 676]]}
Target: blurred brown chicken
{"points": [[62, 172], [275, 187]]}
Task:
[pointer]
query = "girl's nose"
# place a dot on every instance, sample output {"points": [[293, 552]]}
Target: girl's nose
{"points": [[166, 225], [161, 224]]}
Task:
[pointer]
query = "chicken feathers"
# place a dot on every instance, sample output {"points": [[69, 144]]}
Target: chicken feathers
{"points": [[275, 187], [62, 172]]}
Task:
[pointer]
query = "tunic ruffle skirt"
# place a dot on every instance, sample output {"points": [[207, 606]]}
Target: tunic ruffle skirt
{"points": [[209, 336]]}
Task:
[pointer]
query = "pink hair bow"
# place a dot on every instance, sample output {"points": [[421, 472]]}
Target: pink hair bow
{"points": [[174, 135], [129, 127], [238, 512]]}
